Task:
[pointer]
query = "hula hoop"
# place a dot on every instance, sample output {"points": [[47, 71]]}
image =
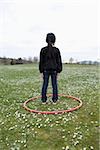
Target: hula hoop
{"points": [[53, 112]]}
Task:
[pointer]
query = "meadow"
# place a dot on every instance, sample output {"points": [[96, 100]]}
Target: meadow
{"points": [[22, 130]]}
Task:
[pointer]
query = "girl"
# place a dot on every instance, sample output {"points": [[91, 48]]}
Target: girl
{"points": [[50, 65]]}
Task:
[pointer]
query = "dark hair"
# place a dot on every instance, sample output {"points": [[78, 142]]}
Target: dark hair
{"points": [[50, 39]]}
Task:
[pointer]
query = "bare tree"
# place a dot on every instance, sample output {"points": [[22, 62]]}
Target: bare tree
{"points": [[30, 60], [71, 60], [35, 59]]}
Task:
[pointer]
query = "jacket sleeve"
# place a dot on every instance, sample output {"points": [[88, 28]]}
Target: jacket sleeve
{"points": [[41, 62], [59, 62]]}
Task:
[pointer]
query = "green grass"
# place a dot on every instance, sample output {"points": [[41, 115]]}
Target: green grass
{"points": [[21, 130]]}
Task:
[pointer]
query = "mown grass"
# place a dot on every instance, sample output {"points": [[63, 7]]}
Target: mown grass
{"points": [[21, 130]]}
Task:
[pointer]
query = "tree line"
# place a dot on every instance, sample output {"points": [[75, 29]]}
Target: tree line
{"points": [[13, 61]]}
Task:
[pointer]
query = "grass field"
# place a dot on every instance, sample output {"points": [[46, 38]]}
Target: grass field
{"points": [[21, 130]]}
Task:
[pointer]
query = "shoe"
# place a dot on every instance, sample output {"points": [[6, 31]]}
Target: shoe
{"points": [[54, 103], [44, 103]]}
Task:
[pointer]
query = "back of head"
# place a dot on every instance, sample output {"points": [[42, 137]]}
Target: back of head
{"points": [[50, 39]]}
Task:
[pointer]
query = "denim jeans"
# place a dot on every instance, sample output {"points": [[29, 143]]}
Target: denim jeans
{"points": [[46, 75]]}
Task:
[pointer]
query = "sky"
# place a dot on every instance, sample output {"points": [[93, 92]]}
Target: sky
{"points": [[25, 23]]}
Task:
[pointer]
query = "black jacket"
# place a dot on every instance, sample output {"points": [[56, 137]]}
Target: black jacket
{"points": [[52, 62]]}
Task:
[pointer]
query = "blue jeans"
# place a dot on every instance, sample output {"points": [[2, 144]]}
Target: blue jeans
{"points": [[46, 75]]}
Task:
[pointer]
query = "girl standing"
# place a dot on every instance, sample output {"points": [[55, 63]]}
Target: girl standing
{"points": [[50, 65]]}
